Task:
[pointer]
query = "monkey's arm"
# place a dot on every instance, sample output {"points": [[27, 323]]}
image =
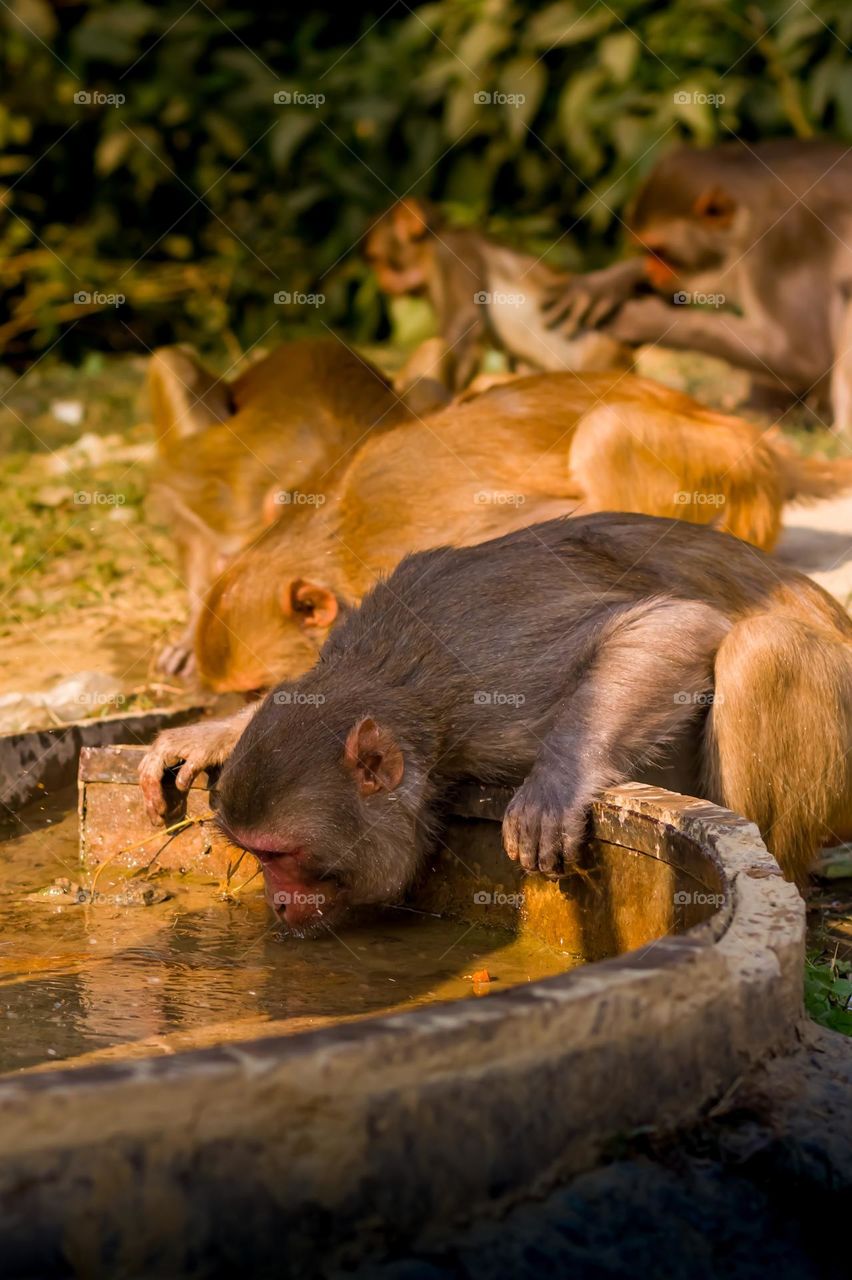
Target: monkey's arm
{"points": [[643, 680], [465, 346], [760, 347], [457, 294], [195, 747], [584, 301]]}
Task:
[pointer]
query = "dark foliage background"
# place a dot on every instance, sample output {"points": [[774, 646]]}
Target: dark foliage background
{"points": [[199, 197]]}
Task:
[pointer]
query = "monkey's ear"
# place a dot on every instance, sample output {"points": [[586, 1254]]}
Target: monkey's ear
{"points": [[374, 756], [186, 398], [410, 219], [716, 205], [309, 604]]}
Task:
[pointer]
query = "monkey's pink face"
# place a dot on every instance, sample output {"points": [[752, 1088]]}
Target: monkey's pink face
{"points": [[318, 804], [302, 901], [303, 898], [679, 248], [401, 264]]}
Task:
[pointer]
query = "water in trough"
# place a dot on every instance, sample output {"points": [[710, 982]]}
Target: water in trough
{"points": [[168, 962]]}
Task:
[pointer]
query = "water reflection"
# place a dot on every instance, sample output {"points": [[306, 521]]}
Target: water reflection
{"points": [[82, 983]]}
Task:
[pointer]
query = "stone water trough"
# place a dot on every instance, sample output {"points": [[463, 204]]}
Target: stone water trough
{"points": [[293, 1155]]}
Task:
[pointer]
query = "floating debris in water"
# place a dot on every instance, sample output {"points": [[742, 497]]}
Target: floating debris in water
{"points": [[69, 893]]}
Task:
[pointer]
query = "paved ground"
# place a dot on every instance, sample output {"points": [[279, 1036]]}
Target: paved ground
{"points": [[818, 540]]}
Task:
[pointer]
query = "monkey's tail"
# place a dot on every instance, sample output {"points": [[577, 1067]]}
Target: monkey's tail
{"points": [[779, 735], [808, 479]]}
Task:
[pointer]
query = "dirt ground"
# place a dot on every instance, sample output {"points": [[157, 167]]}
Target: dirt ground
{"points": [[88, 579]]}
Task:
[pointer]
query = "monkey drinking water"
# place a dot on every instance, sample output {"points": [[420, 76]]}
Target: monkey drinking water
{"points": [[559, 660]]}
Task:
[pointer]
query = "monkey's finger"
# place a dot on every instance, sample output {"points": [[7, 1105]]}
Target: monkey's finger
{"points": [[155, 807], [530, 830], [573, 830], [578, 315], [511, 835], [175, 660], [556, 289], [187, 774], [190, 667], [600, 311], [559, 311], [550, 845], [150, 775], [555, 300]]}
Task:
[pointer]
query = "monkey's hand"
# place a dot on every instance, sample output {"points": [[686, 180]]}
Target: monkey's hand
{"points": [[195, 747], [637, 683], [644, 320], [586, 301], [177, 659], [543, 826]]}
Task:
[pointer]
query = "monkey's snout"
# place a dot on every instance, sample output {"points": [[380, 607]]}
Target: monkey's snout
{"points": [[300, 897]]}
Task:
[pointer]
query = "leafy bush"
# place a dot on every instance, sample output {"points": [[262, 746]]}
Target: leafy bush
{"points": [[199, 197]]}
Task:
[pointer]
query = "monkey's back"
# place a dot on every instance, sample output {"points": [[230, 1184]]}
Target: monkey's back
{"points": [[298, 412], [527, 587]]}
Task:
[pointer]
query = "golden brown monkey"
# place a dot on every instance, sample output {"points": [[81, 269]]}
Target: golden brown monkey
{"points": [[235, 456], [540, 446], [747, 249], [483, 294]]}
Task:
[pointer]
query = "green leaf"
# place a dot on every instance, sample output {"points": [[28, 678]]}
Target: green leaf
{"points": [[229, 138], [561, 25], [575, 118], [35, 16], [619, 53], [523, 80], [690, 106], [827, 994], [111, 150], [289, 133], [481, 44], [462, 111], [113, 34]]}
